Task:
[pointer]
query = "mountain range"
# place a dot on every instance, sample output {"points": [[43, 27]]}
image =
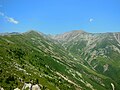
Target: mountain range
{"points": [[75, 60]]}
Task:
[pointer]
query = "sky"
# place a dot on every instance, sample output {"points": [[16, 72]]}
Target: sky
{"points": [[59, 16]]}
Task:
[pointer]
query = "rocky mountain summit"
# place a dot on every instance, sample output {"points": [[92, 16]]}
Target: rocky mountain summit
{"points": [[27, 86], [75, 60]]}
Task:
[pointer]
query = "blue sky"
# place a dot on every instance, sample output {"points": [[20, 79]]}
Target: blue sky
{"points": [[59, 16]]}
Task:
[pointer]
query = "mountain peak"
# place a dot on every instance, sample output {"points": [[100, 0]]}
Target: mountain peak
{"points": [[34, 32], [78, 31], [67, 35]]}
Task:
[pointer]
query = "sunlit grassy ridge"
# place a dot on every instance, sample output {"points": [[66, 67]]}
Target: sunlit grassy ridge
{"points": [[38, 59]]}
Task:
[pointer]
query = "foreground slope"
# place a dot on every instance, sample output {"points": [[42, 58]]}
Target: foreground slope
{"points": [[59, 63], [31, 58]]}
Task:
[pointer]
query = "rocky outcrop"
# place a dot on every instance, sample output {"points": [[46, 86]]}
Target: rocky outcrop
{"points": [[36, 87], [1, 88], [67, 36], [29, 86], [117, 36], [16, 89]]}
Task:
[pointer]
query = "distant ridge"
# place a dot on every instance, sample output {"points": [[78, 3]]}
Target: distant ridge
{"points": [[11, 33]]}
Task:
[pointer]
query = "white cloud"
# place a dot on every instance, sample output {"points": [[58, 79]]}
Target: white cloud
{"points": [[9, 19], [12, 20], [91, 20], [1, 14]]}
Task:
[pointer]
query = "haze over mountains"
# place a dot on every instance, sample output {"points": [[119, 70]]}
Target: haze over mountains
{"points": [[75, 60]]}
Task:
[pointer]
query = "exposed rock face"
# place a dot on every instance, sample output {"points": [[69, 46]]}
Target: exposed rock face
{"points": [[16, 89], [117, 36], [67, 36], [113, 87], [105, 67], [36, 87], [29, 86], [1, 88]]}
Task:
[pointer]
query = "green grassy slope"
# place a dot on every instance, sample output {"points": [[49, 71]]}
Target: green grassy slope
{"points": [[34, 58]]}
